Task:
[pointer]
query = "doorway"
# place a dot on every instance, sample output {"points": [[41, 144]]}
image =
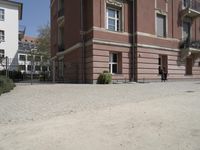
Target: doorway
{"points": [[188, 68], [163, 63]]}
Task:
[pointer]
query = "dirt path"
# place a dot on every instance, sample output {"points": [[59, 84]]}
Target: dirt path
{"points": [[152, 116]]}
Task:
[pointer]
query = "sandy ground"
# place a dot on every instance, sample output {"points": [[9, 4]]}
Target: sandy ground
{"points": [[151, 116]]}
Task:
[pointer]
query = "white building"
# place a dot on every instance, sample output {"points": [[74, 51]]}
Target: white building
{"points": [[29, 57], [10, 14]]}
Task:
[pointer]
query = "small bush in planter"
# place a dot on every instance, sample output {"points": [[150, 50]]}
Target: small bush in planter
{"points": [[104, 78]]}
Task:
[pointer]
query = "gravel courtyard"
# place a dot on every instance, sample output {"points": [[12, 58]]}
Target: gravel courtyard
{"points": [[150, 116]]}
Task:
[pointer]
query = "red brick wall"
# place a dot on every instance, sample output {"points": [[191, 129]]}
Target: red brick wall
{"points": [[147, 58], [54, 31]]}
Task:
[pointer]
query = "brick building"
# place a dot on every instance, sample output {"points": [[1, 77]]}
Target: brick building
{"points": [[132, 39]]}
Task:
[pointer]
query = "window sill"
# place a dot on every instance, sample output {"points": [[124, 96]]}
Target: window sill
{"points": [[117, 74], [161, 37], [188, 75], [116, 32]]}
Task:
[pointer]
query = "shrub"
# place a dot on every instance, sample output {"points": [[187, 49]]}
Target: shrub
{"points": [[104, 78], [6, 84], [14, 75]]}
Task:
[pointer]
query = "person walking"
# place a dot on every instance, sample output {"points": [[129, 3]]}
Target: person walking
{"points": [[164, 74]]}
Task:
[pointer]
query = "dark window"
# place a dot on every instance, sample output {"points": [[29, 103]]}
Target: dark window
{"points": [[22, 57], [22, 67], [37, 58], [2, 53], [2, 36], [44, 68], [29, 68], [29, 58], [37, 68], [2, 14]]}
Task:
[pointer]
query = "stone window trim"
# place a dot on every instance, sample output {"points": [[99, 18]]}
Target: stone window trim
{"points": [[115, 4], [159, 12]]}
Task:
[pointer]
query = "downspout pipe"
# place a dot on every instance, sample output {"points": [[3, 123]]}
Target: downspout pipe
{"points": [[83, 43], [134, 43]]}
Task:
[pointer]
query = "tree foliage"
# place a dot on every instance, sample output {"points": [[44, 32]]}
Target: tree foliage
{"points": [[43, 41]]}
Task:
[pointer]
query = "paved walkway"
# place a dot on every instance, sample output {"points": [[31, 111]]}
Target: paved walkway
{"points": [[151, 116]]}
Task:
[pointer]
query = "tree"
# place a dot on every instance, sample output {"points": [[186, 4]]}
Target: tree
{"points": [[43, 45], [43, 41]]}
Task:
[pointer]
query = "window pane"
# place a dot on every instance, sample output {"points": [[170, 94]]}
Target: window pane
{"points": [[114, 68], [22, 67], [22, 57], [113, 19], [2, 53], [1, 14], [37, 58], [2, 35], [118, 14], [110, 68], [118, 25], [111, 22], [186, 30], [37, 68], [111, 27], [161, 25], [44, 68], [29, 67], [111, 13], [114, 59], [29, 58]]}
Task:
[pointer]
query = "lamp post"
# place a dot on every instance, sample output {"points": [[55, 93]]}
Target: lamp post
{"points": [[32, 64]]}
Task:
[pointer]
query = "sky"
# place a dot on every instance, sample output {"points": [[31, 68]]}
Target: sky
{"points": [[36, 13]]}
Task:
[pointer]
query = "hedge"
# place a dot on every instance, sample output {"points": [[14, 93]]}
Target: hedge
{"points": [[6, 85]]}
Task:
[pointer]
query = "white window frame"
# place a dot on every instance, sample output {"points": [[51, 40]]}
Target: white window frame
{"points": [[23, 56], [111, 63], [2, 36], [116, 19], [2, 14]]}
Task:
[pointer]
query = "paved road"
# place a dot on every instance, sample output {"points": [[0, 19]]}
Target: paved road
{"points": [[111, 117]]}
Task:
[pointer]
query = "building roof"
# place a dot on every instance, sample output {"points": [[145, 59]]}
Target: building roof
{"points": [[29, 39], [14, 3]]}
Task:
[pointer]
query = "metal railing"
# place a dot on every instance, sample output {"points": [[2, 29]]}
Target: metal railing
{"points": [[190, 44], [192, 4]]}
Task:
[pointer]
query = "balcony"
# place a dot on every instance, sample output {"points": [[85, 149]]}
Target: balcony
{"points": [[61, 16], [189, 47], [191, 8], [61, 48]]}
